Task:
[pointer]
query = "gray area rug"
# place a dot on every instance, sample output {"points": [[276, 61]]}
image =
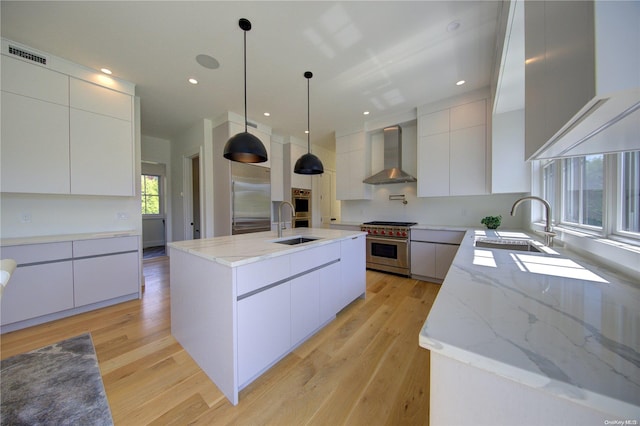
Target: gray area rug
{"points": [[55, 385]]}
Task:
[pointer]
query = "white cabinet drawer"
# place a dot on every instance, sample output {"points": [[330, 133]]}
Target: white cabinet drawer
{"points": [[37, 290], [107, 277], [35, 253], [259, 274], [437, 236], [311, 258], [100, 246]]}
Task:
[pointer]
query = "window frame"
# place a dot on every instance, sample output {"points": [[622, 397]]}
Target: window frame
{"points": [[160, 213]]}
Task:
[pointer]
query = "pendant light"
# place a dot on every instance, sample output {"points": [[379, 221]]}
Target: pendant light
{"points": [[308, 164], [245, 147]]}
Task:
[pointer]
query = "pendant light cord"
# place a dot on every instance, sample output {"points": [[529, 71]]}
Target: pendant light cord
{"points": [[245, 81], [308, 121]]}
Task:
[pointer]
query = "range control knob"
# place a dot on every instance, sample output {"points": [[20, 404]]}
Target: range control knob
{"points": [[382, 232], [404, 234]]}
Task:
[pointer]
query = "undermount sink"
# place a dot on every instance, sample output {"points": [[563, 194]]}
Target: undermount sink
{"points": [[296, 240], [506, 244]]}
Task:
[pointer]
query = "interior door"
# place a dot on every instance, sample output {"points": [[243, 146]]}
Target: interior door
{"points": [[195, 196]]}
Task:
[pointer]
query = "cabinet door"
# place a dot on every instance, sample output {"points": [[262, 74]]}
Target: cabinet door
{"points": [[277, 169], [105, 277], [93, 98], [343, 177], [433, 165], [443, 259], [35, 145], [330, 292], [264, 330], [353, 269], [305, 306], [423, 259], [102, 155], [38, 290], [34, 81], [467, 163]]}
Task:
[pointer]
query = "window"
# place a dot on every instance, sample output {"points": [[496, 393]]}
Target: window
{"points": [[582, 186], [630, 192], [598, 194], [150, 195]]}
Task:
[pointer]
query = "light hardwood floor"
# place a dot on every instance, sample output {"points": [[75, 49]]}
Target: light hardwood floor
{"points": [[363, 368]]}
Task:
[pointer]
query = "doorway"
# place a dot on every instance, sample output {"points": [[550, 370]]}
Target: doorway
{"points": [[195, 197]]}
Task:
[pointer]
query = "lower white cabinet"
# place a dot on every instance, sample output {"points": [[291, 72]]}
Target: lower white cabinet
{"points": [[432, 252], [331, 299], [264, 330], [59, 279], [353, 269], [305, 306]]}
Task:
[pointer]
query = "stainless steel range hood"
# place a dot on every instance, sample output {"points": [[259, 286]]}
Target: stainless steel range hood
{"points": [[392, 172]]}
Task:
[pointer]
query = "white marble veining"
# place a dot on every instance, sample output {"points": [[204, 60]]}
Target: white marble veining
{"points": [[236, 250], [551, 321], [43, 239]]}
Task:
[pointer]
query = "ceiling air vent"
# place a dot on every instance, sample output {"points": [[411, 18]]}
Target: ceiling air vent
{"points": [[28, 55]]}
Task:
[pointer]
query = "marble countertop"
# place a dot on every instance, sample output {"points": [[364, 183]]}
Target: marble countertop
{"points": [[552, 321], [43, 239], [237, 250]]}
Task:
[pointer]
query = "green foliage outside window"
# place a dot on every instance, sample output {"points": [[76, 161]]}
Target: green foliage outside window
{"points": [[150, 195]]}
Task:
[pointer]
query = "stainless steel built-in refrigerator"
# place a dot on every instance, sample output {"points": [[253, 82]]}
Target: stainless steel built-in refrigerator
{"points": [[250, 198]]}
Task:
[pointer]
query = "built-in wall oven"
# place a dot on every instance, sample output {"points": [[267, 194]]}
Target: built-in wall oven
{"points": [[388, 246], [301, 200]]}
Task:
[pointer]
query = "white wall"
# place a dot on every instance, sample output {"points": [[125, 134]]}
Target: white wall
{"points": [[156, 151], [196, 140]]}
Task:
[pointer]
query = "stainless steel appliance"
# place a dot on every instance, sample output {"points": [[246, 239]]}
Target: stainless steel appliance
{"points": [[301, 200], [250, 198], [388, 246]]}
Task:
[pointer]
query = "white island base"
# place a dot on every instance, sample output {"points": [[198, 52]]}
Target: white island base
{"points": [[241, 303]]}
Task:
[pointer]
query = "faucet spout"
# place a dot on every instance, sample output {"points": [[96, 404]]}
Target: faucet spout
{"points": [[548, 229], [280, 221]]}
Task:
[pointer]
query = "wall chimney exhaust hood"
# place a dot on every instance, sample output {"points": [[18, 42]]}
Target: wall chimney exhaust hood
{"points": [[392, 172]]}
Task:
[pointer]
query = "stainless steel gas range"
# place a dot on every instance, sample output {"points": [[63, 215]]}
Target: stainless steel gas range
{"points": [[388, 246]]}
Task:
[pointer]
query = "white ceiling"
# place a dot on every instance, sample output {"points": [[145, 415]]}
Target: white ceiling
{"points": [[386, 57]]}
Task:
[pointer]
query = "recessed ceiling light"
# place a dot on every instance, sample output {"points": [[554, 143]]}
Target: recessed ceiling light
{"points": [[453, 26], [208, 61], [366, 113], [193, 81], [460, 83], [267, 114], [106, 71], [306, 131]]}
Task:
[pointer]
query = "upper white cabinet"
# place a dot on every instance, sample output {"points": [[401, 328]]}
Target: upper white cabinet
{"points": [[277, 170], [353, 165], [35, 128], [63, 135], [292, 152], [452, 150], [582, 73]]}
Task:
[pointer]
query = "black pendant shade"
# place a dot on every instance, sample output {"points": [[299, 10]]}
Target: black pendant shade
{"points": [[308, 164], [244, 147]]}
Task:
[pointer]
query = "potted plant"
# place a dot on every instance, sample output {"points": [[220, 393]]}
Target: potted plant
{"points": [[492, 222]]}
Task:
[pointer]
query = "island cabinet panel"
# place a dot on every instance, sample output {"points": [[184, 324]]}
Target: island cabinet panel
{"points": [[313, 258], [256, 275], [353, 269], [305, 306], [264, 330], [331, 289]]}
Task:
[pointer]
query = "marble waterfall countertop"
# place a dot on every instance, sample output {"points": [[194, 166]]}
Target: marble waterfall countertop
{"points": [[45, 239], [551, 321], [237, 250]]}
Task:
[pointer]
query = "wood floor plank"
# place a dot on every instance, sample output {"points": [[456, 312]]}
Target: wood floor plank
{"points": [[364, 367]]}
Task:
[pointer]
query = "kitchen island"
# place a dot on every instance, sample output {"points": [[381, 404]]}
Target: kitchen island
{"points": [[518, 337], [241, 303]]}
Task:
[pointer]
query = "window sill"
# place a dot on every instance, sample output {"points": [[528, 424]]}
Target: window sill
{"points": [[618, 255]]}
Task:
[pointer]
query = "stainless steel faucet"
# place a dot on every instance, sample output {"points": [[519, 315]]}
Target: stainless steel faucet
{"points": [[548, 229], [280, 221]]}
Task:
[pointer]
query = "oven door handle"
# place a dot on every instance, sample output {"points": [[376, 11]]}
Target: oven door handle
{"points": [[388, 239]]}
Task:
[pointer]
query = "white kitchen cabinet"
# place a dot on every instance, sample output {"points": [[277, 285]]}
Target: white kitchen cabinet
{"points": [[292, 152], [59, 279], [432, 252], [305, 306], [264, 330], [35, 145], [62, 135], [353, 165], [330, 292], [579, 54], [277, 171], [452, 151], [353, 269], [41, 285]]}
